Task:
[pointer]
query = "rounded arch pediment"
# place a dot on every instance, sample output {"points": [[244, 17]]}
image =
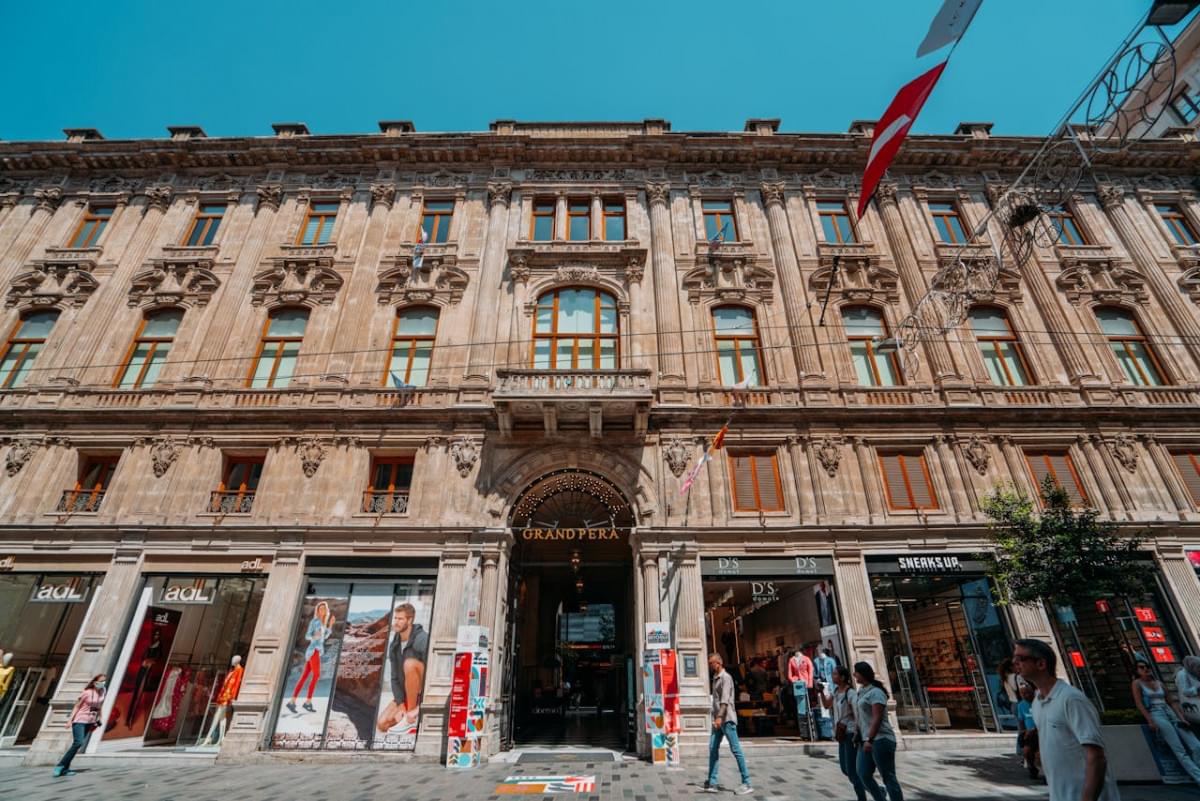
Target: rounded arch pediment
{"points": [[582, 276]]}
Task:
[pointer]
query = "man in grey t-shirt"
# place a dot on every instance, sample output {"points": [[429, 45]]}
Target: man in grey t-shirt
{"points": [[724, 726]]}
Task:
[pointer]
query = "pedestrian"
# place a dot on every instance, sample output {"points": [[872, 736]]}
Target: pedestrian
{"points": [[845, 727], [85, 717], [1027, 738], [1009, 693], [877, 740], [1069, 740], [1166, 718], [1187, 684], [724, 726]]}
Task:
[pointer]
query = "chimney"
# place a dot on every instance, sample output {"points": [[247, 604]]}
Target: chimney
{"points": [[396, 127], [655, 126], [975, 130], [762, 126], [863, 128], [180, 132], [503, 127], [82, 134], [286, 129]]}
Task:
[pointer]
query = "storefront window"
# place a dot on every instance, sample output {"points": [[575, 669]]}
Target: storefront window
{"points": [[357, 671], [761, 612], [944, 641], [40, 618]]}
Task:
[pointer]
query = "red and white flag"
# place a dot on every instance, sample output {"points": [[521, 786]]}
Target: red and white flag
{"points": [[892, 128]]}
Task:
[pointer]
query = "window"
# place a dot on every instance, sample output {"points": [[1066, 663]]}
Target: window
{"points": [[947, 223], [864, 328], [719, 222], [835, 223], [1057, 466], [738, 349], [149, 350], [412, 346], [755, 480], [280, 347], [205, 225], [1177, 224], [1186, 105], [906, 480], [239, 482], [575, 329], [95, 476], [999, 347], [1130, 346], [1188, 465], [614, 220], [391, 479], [318, 225], [541, 229], [435, 220], [1068, 230], [24, 343], [91, 226], [579, 220]]}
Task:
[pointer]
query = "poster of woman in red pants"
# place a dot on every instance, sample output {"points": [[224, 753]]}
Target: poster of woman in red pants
{"points": [[301, 722]]}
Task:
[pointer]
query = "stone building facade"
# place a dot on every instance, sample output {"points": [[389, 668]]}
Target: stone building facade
{"points": [[246, 412]]}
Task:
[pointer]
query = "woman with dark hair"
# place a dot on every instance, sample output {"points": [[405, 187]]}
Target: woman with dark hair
{"points": [[878, 740], [1010, 693], [845, 726], [85, 717], [1165, 717]]}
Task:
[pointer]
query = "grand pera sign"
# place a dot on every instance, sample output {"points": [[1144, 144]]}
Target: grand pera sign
{"points": [[570, 534]]}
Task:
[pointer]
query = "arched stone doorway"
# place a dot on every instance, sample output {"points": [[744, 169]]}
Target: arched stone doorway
{"points": [[570, 633]]}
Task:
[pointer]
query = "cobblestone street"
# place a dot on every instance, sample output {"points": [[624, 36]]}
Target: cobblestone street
{"points": [[926, 776]]}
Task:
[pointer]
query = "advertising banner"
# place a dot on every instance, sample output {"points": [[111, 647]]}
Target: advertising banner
{"points": [[399, 713], [304, 707], [351, 723], [143, 675], [466, 728], [660, 696], [1168, 766]]}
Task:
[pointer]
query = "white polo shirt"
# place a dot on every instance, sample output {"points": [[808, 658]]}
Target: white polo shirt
{"points": [[1067, 721]]}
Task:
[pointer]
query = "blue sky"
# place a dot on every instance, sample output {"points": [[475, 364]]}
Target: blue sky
{"points": [[131, 68]]}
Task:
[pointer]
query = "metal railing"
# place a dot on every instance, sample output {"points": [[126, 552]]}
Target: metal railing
{"points": [[233, 502], [74, 500], [383, 502]]}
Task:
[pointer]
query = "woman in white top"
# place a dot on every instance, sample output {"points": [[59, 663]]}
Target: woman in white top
{"points": [[845, 726], [875, 733], [1164, 716]]}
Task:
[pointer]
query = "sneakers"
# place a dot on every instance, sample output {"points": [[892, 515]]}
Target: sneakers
{"points": [[745, 789], [291, 705], [308, 707], [58, 771], [710, 788]]}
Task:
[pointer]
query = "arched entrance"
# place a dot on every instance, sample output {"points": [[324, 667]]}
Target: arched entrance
{"points": [[569, 670]]}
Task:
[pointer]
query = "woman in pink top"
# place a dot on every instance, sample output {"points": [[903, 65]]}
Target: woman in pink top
{"points": [[84, 718]]}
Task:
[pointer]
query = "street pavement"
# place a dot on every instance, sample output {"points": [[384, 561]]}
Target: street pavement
{"points": [[925, 775]]}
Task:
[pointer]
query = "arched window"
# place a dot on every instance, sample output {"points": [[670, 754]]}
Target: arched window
{"points": [[24, 343], [739, 353], [279, 349], [864, 327], [149, 349], [1130, 346], [999, 347], [412, 346], [576, 329]]}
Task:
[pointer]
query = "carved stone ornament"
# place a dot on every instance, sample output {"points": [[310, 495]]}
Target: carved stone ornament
{"points": [[1099, 279], [54, 282], [576, 273], [518, 265], [269, 196], [1110, 196], [729, 279], [20, 451], [657, 192], [772, 193], [297, 279], [158, 197], [438, 279], [977, 453], [1124, 451], [886, 192], [48, 199], [163, 453], [499, 193], [829, 454], [383, 194], [635, 270], [860, 277], [1189, 281], [170, 283], [678, 452], [311, 452], [465, 452]]}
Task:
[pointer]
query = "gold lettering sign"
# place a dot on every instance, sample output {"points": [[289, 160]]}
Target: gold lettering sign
{"points": [[577, 534]]}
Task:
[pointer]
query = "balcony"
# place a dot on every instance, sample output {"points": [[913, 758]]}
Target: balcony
{"points": [[572, 398], [231, 503], [383, 502], [74, 500]]}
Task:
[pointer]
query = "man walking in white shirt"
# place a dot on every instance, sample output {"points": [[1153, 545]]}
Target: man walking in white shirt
{"points": [[1068, 727], [724, 726]]}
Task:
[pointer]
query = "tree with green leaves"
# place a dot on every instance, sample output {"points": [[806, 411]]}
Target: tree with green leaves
{"points": [[1059, 555]]}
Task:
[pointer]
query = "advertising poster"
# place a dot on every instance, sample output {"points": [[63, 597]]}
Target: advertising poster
{"points": [[308, 686], [398, 711], [357, 686], [1168, 766], [466, 726], [660, 694], [147, 664]]}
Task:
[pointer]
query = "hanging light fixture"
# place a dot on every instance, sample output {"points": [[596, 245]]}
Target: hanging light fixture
{"points": [[575, 559], [579, 584]]}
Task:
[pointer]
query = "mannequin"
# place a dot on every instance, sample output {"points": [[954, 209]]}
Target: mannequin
{"points": [[228, 694], [6, 674]]}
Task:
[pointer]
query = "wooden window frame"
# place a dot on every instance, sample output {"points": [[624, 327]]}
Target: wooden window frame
{"points": [[1125, 339], [1177, 224], [733, 455], [138, 339], [573, 215], [934, 502], [393, 462], [108, 463], [262, 344], [596, 337], [325, 218], [12, 341], [412, 340], [99, 224], [202, 223], [552, 215], [1057, 219], [871, 354], [994, 342], [605, 214], [1045, 455], [243, 490], [841, 211], [440, 217], [952, 213], [737, 339], [1193, 458], [720, 215]]}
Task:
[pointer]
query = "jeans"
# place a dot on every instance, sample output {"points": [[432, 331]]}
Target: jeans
{"points": [[79, 734], [848, 760], [1180, 741], [883, 756], [728, 731]]}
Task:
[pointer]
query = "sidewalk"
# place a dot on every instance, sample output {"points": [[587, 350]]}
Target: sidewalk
{"points": [[925, 775]]}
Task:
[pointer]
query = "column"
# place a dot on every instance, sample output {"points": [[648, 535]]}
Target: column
{"points": [[954, 479], [795, 302], [870, 479], [800, 475], [1111, 472], [860, 626], [652, 587], [597, 218], [666, 287], [485, 319], [1108, 494], [355, 311], [46, 202], [1061, 332], [1017, 467], [688, 627], [96, 650], [814, 472], [1166, 472], [1180, 577], [633, 339], [1112, 199], [561, 220], [271, 647], [963, 470], [941, 363], [443, 638], [520, 332]]}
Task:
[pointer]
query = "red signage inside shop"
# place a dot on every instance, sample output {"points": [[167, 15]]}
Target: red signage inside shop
{"points": [[1154, 634], [1145, 614], [1194, 558], [1162, 653]]}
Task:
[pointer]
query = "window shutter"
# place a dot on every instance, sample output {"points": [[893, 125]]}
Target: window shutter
{"points": [[743, 483], [1189, 470], [893, 480], [1061, 464], [1039, 468], [922, 493], [768, 483]]}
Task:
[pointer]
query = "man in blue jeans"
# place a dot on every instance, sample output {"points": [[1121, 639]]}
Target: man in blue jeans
{"points": [[724, 727]]}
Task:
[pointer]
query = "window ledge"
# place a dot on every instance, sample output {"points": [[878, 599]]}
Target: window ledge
{"points": [[71, 514], [371, 516], [917, 512], [754, 515], [224, 514]]}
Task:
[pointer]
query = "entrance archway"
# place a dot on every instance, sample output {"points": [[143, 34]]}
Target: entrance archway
{"points": [[569, 676]]}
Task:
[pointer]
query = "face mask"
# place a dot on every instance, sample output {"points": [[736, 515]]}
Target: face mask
{"points": [[100, 685]]}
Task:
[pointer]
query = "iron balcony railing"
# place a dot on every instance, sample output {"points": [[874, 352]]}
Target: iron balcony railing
{"points": [[383, 502], [232, 502], [74, 500]]}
